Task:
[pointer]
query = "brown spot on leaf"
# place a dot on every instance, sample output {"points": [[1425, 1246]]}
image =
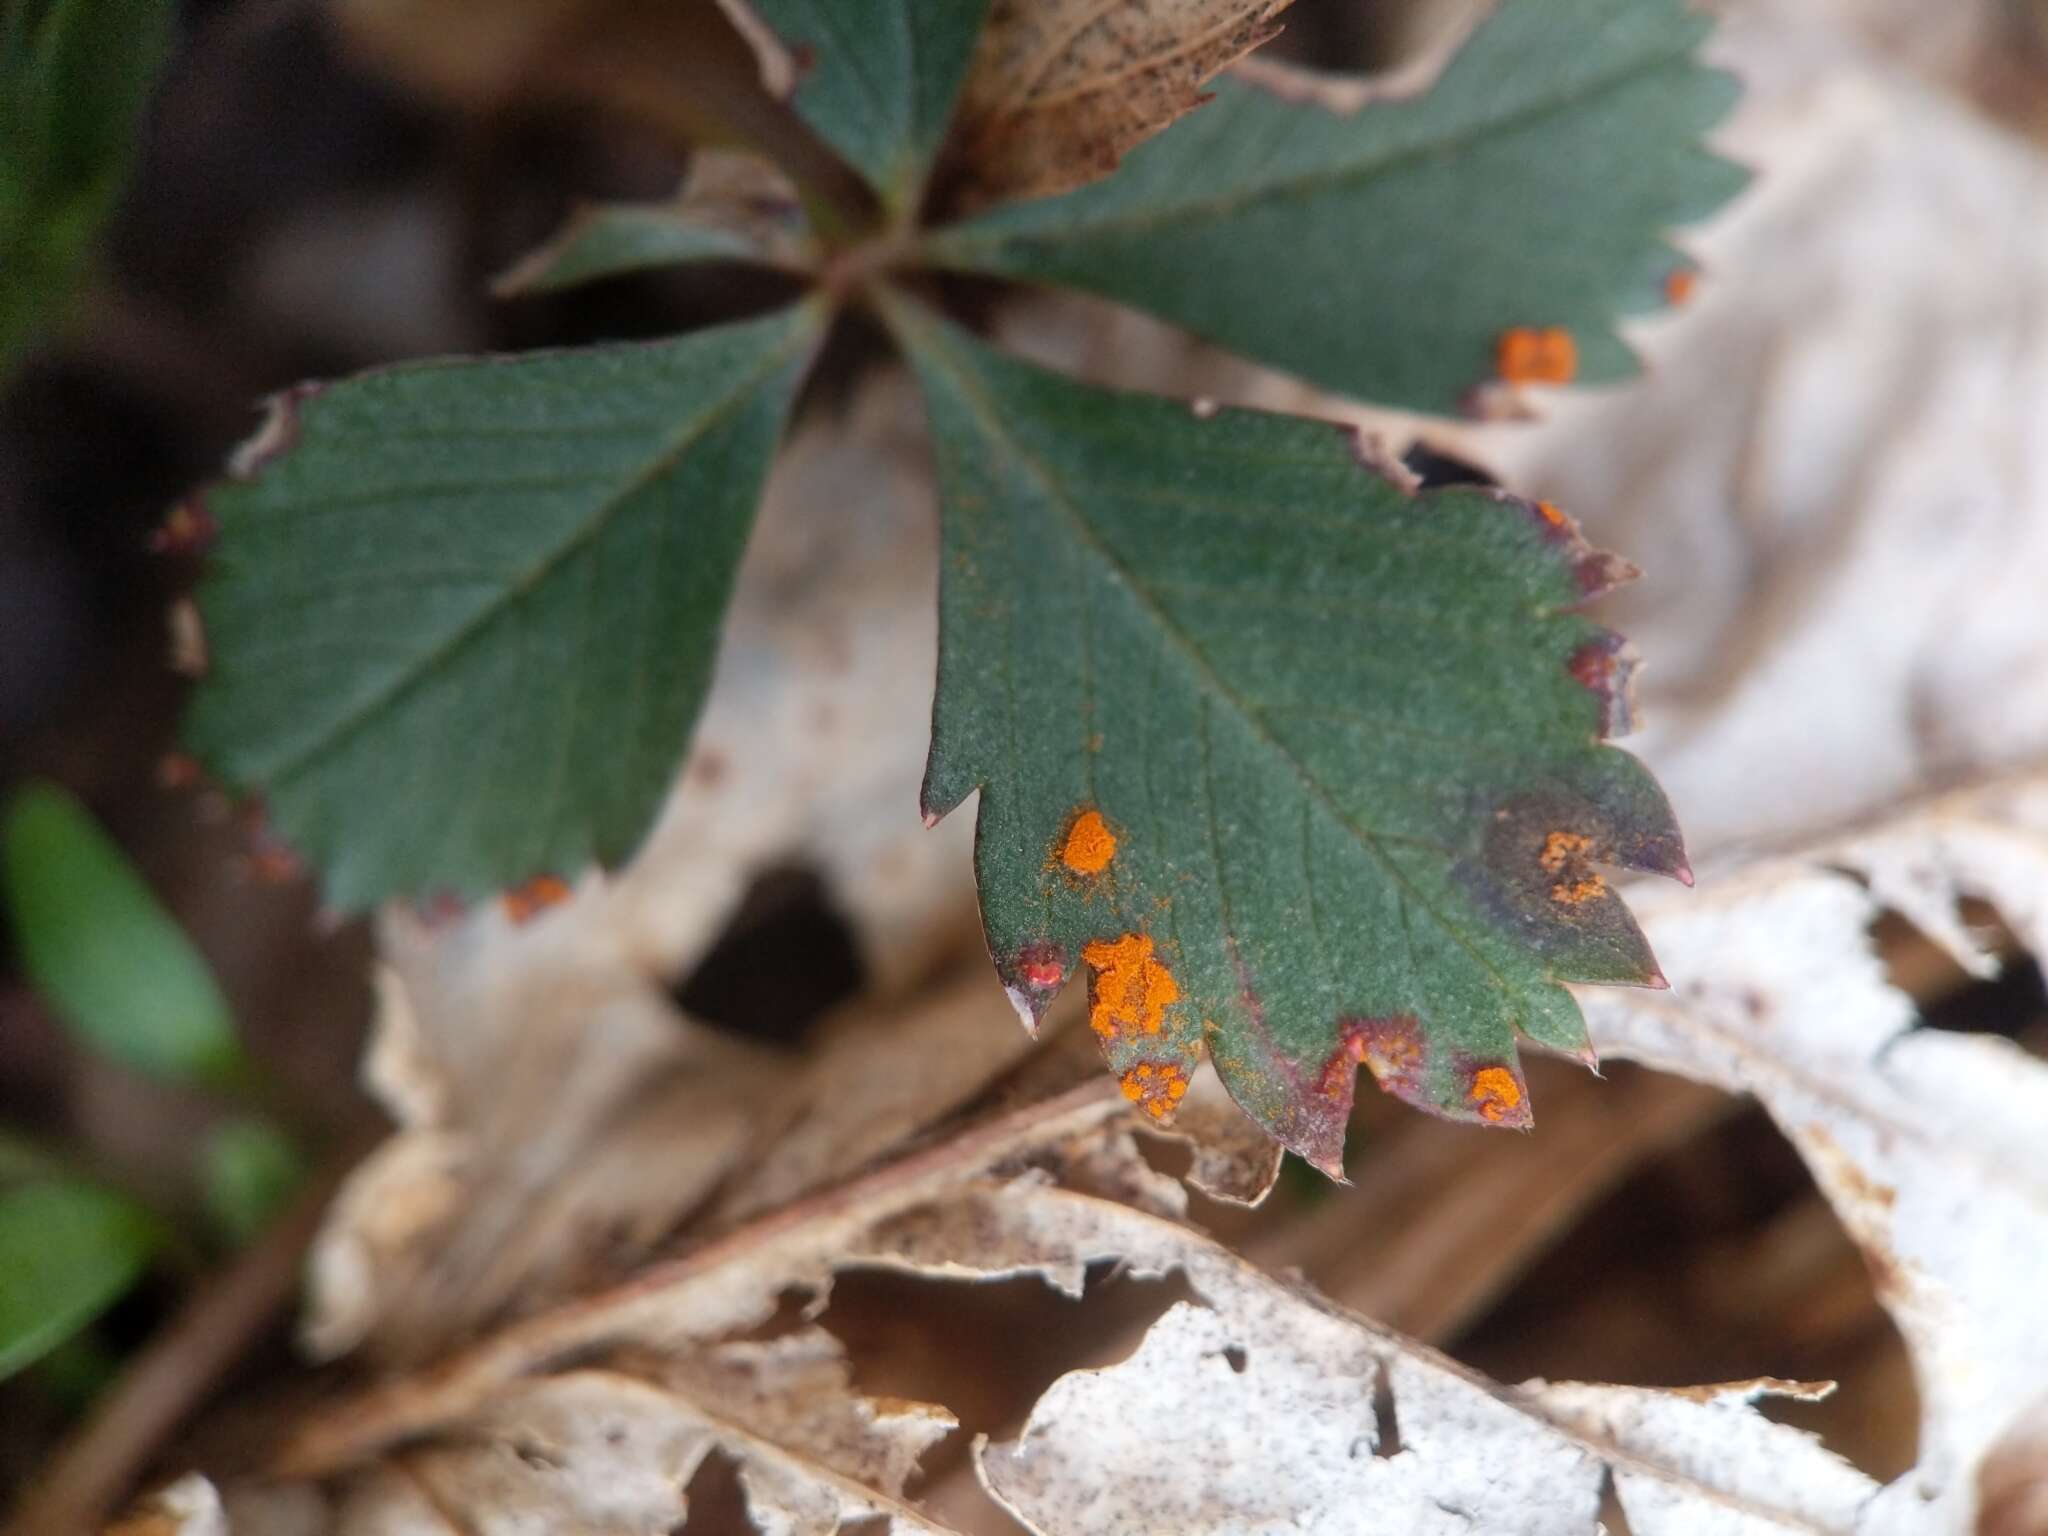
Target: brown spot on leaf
{"points": [[1157, 1087], [1131, 989], [188, 529], [1537, 355], [1605, 667], [527, 901], [1089, 845], [175, 770]]}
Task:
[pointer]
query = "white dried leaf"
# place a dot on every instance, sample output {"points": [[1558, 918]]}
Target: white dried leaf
{"points": [[1929, 1145]]}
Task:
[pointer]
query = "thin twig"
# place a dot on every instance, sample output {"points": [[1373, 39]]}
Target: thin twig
{"points": [[224, 1315]]}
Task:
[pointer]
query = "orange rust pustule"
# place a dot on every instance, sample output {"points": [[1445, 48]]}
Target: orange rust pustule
{"points": [[1157, 1087], [1574, 893], [1680, 284], [1132, 990], [1548, 511], [1560, 848], [1537, 355], [1089, 844], [1496, 1093], [527, 901]]}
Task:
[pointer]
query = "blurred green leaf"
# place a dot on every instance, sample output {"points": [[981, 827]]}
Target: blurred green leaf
{"points": [[67, 1251], [78, 1370], [249, 1170], [103, 952], [74, 75]]}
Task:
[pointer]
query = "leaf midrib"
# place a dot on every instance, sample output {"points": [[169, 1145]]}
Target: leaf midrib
{"points": [[966, 240], [580, 536], [1193, 656]]}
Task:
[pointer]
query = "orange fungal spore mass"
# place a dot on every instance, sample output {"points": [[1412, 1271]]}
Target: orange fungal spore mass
{"points": [[525, 902], [1132, 988], [1089, 844], [1495, 1092], [1533, 355], [1560, 848], [1156, 1087]]}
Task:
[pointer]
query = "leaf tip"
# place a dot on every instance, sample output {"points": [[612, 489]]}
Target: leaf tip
{"points": [[278, 434], [1156, 1087]]}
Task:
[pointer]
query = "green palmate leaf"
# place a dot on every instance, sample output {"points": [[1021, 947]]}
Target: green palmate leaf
{"points": [[461, 615], [1296, 765], [103, 952], [876, 78], [74, 75], [1390, 251], [67, 1251]]}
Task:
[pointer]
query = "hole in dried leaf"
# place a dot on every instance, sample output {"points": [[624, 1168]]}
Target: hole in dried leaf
{"points": [[1386, 1422], [987, 1352], [1613, 1518], [2012, 1004], [717, 1503], [1715, 1261], [786, 957]]}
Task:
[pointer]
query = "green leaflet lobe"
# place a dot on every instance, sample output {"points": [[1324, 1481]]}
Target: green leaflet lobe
{"points": [[1346, 741], [1385, 251], [878, 78], [462, 615]]}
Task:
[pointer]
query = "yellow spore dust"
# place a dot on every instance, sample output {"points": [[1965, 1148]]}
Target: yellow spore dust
{"points": [[1132, 988], [1089, 844], [1495, 1093], [1573, 893], [1560, 848], [1155, 1087]]}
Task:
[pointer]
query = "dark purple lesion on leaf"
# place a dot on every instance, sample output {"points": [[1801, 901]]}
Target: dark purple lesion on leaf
{"points": [[1542, 871], [1605, 666]]}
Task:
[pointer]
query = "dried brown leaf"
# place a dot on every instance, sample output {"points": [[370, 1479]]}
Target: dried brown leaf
{"points": [[1059, 90]]}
